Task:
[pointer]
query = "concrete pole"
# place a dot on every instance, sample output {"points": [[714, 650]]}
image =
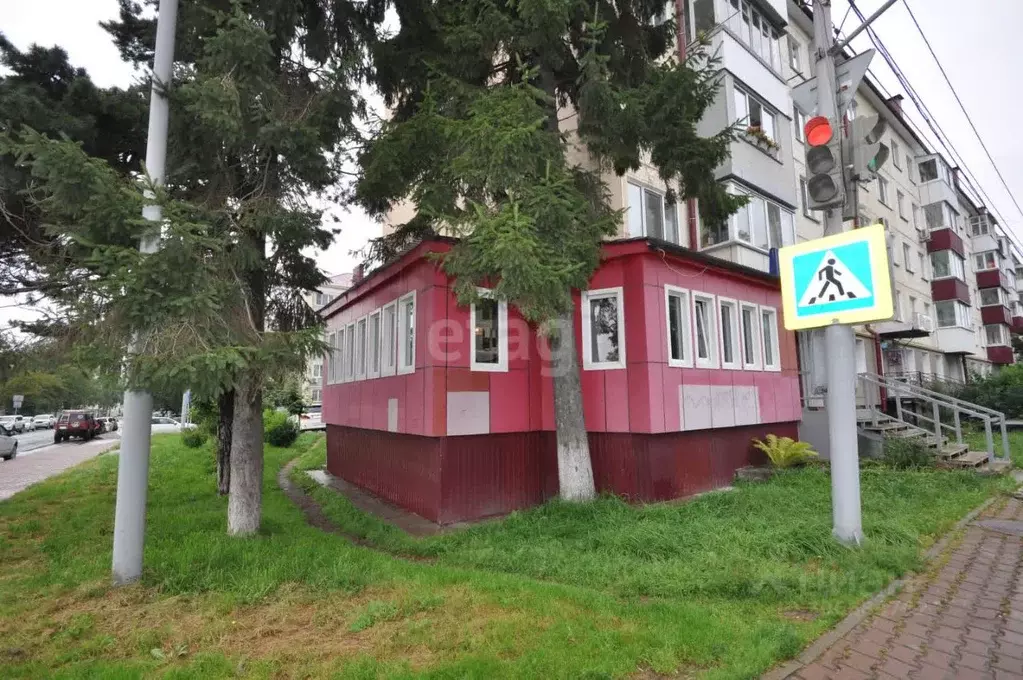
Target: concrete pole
{"points": [[133, 465], [840, 341]]}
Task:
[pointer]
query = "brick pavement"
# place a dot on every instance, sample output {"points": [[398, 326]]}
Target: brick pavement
{"points": [[28, 468], [961, 619]]}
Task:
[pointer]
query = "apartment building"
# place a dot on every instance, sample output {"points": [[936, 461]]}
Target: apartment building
{"points": [[312, 382]]}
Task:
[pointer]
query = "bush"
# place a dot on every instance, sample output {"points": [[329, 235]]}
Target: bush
{"points": [[907, 454], [785, 452], [193, 437], [279, 429]]}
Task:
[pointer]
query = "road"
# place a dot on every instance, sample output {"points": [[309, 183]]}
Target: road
{"points": [[47, 459]]}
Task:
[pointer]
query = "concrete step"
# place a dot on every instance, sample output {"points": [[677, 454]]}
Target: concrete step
{"points": [[970, 459], [908, 432], [885, 427]]}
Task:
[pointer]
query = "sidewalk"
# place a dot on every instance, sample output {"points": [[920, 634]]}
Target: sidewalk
{"points": [[37, 465], [961, 619]]}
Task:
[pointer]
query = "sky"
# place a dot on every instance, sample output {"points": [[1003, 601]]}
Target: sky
{"points": [[974, 41]]}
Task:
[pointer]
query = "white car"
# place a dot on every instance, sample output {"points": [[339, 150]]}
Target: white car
{"points": [[163, 425], [43, 422], [12, 424], [30, 424], [8, 447]]}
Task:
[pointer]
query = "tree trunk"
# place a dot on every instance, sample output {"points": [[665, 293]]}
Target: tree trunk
{"points": [[575, 471], [224, 425], [244, 505]]}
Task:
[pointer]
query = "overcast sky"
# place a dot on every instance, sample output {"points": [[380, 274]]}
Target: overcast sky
{"points": [[975, 42]]}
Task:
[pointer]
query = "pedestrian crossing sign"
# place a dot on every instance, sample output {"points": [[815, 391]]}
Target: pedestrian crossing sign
{"points": [[837, 279]]}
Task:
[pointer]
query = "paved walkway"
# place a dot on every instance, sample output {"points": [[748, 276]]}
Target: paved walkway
{"points": [[24, 471], [961, 619]]}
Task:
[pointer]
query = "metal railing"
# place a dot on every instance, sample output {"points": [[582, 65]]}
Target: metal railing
{"points": [[923, 378], [898, 390]]}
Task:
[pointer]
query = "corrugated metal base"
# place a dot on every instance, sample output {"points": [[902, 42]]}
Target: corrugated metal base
{"points": [[457, 479]]}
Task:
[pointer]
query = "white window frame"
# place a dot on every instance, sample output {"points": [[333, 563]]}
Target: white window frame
{"points": [[896, 150], [882, 191], [371, 346], [360, 347], [775, 365], [766, 111], [587, 297], [735, 363], [350, 364], [666, 209], [907, 257], [338, 371], [795, 55], [755, 337], [407, 364], [686, 327], [900, 201], [329, 356], [317, 395], [1000, 300], [711, 327], [983, 254], [1003, 339], [502, 336], [389, 360]]}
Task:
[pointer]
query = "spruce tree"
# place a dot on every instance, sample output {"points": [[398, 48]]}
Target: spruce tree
{"points": [[482, 96]]}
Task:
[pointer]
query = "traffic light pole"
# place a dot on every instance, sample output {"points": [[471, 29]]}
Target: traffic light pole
{"points": [[133, 462], [840, 340]]}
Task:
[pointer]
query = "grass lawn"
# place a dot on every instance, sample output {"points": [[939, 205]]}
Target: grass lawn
{"points": [[721, 587], [978, 442]]}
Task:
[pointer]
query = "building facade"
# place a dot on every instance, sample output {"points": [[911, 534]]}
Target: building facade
{"points": [[312, 378]]}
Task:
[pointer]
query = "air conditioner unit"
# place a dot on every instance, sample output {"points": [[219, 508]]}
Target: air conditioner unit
{"points": [[924, 323]]}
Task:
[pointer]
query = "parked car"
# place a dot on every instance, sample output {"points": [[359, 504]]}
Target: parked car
{"points": [[163, 425], [109, 424], [8, 447], [80, 424], [30, 424], [12, 424], [43, 422]]}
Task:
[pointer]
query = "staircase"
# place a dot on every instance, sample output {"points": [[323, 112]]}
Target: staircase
{"points": [[937, 422]]}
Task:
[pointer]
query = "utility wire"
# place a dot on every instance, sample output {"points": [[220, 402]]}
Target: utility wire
{"points": [[962, 107]]}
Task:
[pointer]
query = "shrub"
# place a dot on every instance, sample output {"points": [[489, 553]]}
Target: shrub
{"points": [[785, 452], [907, 454], [193, 437], [279, 429]]}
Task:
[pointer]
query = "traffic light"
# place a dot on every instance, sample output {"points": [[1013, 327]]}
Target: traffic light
{"points": [[825, 182], [869, 153]]}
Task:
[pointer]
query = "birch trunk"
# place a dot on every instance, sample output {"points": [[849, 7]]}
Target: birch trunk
{"points": [[575, 471], [245, 503]]}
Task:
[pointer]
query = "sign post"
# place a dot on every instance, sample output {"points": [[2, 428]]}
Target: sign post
{"points": [[18, 400]]}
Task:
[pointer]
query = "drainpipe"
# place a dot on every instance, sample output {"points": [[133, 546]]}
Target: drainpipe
{"points": [[692, 212], [878, 359]]}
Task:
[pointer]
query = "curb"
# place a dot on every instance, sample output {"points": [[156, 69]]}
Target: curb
{"points": [[865, 610]]}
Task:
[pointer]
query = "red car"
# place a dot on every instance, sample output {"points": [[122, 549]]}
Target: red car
{"points": [[79, 424]]}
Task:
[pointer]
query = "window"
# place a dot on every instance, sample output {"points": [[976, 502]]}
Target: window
{"points": [[650, 215], [804, 201], [331, 354], [317, 370], [909, 169], [388, 339], [912, 307], [939, 216], [928, 170], [729, 333], [895, 155], [916, 216], [882, 190], [373, 346], [990, 297], [900, 202], [946, 264], [798, 122], [680, 332], [360, 348], [923, 266], [769, 328], [907, 257], [706, 331], [350, 349], [979, 226], [407, 333], [751, 337], [317, 396], [755, 115], [761, 223], [756, 31], [952, 313], [488, 319], [996, 334], [603, 329], [795, 55], [986, 260]]}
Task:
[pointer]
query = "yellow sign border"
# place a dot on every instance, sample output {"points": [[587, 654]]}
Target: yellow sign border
{"points": [[883, 307]]}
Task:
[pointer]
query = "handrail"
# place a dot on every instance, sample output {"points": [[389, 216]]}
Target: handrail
{"points": [[936, 395], [975, 410]]}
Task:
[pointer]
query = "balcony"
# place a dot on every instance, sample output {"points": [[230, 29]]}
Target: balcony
{"points": [[1017, 324], [914, 326], [996, 314], [950, 289], [1000, 354], [945, 239], [956, 340], [993, 278]]}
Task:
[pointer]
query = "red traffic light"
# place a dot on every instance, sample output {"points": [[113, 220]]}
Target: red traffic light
{"points": [[817, 131]]}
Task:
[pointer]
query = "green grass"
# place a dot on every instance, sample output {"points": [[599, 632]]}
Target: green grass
{"points": [[721, 587], [977, 441]]}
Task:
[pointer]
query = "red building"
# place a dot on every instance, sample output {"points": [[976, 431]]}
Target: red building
{"points": [[448, 411]]}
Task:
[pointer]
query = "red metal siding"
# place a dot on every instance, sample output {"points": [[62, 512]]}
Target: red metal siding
{"points": [[1017, 324], [996, 314], [1000, 355], [992, 278], [945, 239], [403, 469], [950, 289]]}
